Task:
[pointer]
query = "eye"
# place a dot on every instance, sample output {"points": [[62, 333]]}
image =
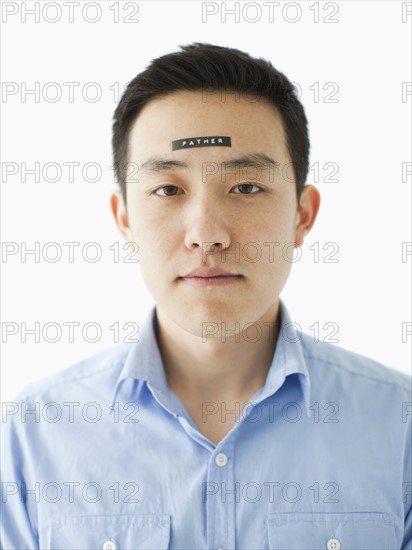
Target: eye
{"points": [[245, 188], [169, 191]]}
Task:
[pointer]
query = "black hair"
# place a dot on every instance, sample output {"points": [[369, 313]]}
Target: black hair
{"points": [[201, 66]]}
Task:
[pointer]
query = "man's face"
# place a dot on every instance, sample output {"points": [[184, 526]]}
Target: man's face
{"points": [[174, 214]]}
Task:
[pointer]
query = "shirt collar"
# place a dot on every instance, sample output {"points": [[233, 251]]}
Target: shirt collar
{"points": [[144, 361], [288, 359]]}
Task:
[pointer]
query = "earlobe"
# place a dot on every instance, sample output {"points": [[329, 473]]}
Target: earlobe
{"points": [[307, 211]]}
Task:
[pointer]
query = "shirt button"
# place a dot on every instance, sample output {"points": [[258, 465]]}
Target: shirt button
{"points": [[221, 460], [109, 545], [333, 544]]}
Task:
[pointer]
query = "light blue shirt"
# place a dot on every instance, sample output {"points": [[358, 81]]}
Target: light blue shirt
{"points": [[109, 458]]}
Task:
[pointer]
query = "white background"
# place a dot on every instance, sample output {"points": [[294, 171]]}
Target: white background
{"points": [[366, 133]]}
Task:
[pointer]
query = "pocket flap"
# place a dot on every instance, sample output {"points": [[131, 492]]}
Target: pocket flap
{"points": [[115, 532], [331, 531]]}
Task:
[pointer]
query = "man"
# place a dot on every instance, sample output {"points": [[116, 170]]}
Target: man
{"points": [[222, 427]]}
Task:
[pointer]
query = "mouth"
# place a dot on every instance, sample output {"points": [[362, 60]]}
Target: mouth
{"points": [[216, 280]]}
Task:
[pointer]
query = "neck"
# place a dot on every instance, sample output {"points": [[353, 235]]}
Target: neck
{"points": [[230, 369]]}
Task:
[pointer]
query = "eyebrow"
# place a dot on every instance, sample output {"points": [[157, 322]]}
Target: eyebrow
{"points": [[250, 160]]}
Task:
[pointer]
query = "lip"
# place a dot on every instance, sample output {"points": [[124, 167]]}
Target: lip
{"points": [[210, 272], [211, 277]]}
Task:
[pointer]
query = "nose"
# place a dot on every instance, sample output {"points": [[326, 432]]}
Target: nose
{"points": [[207, 224]]}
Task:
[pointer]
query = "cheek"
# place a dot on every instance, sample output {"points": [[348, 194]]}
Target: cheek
{"points": [[155, 241], [274, 226], [274, 238]]}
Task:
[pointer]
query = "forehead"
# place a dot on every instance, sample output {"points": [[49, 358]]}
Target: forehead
{"points": [[251, 124]]}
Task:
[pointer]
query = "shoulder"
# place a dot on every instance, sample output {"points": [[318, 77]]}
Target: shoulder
{"points": [[93, 372], [344, 363]]}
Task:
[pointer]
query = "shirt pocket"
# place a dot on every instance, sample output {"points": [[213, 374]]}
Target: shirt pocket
{"points": [[115, 532], [331, 531]]}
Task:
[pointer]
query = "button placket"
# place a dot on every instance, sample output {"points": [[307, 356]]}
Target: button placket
{"points": [[221, 499]]}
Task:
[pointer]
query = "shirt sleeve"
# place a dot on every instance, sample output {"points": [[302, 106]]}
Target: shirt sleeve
{"points": [[407, 494], [16, 525], [407, 539]]}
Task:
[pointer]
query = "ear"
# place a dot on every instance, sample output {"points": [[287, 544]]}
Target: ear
{"points": [[120, 215], [309, 203]]}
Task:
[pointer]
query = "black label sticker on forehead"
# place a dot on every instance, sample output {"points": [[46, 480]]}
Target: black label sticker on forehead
{"points": [[203, 141]]}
